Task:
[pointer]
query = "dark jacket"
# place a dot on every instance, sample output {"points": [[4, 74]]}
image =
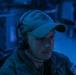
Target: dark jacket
{"points": [[19, 64]]}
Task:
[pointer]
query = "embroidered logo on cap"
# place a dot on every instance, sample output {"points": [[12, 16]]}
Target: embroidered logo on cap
{"points": [[38, 16]]}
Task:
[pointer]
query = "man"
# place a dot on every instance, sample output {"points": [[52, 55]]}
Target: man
{"points": [[34, 54]]}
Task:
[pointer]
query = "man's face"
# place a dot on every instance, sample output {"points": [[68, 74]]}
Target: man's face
{"points": [[41, 48]]}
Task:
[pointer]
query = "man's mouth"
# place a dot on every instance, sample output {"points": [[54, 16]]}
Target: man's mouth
{"points": [[46, 51]]}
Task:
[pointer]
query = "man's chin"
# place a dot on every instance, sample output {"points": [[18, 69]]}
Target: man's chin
{"points": [[46, 56]]}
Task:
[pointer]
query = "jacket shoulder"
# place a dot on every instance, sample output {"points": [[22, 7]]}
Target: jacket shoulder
{"points": [[59, 57]]}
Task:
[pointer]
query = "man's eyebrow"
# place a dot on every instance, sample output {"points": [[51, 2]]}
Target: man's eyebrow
{"points": [[49, 35], [46, 36], [53, 33]]}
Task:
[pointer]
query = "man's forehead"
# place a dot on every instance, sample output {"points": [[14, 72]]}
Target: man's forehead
{"points": [[51, 33]]}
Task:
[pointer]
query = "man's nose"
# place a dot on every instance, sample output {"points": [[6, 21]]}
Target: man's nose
{"points": [[47, 45]]}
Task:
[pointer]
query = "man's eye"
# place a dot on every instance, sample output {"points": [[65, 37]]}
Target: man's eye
{"points": [[39, 39], [52, 37]]}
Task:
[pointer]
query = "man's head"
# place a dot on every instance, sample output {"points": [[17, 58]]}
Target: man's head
{"points": [[37, 23], [41, 48], [39, 29]]}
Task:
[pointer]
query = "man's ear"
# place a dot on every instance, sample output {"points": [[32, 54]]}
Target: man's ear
{"points": [[27, 38]]}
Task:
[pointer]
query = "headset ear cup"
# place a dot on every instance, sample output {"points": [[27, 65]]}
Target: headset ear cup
{"points": [[26, 44], [22, 43]]}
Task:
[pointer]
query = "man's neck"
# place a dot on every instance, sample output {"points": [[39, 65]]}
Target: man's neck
{"points": [[38, 63]]}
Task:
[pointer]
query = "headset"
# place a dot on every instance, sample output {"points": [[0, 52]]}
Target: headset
{"points": [[22, 39]]}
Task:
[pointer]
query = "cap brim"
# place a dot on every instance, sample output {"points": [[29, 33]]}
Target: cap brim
{"points": [[43, 30]]}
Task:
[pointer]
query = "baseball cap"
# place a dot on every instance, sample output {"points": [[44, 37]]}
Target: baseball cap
{"points": [[38, 24]]}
